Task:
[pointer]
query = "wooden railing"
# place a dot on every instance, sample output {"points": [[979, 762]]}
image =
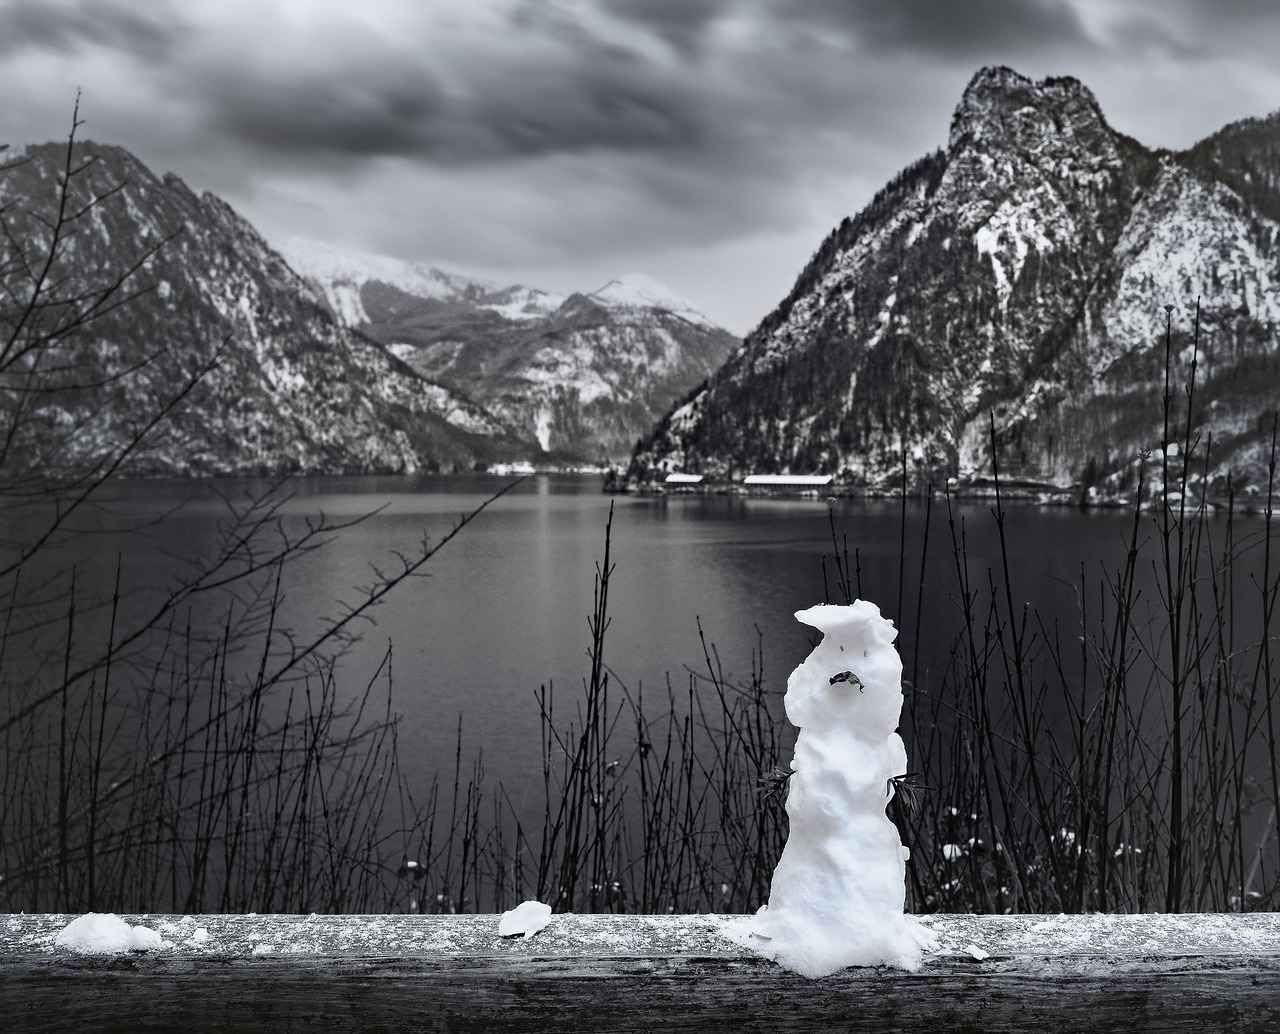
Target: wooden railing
{"points": [[1053, 974]]}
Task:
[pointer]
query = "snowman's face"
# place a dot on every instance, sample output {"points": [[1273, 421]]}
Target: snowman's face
{"points": [[852, 678]]}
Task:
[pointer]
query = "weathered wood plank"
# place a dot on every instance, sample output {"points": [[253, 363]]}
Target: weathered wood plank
{"points": [[633, 973]]}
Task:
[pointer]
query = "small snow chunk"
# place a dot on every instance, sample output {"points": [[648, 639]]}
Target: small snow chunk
{"points": [[97, 933], [977, 953], [526, 918], [200, 936]]}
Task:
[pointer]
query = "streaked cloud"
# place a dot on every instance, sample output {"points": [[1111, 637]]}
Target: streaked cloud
{"points": [[572, 140]]}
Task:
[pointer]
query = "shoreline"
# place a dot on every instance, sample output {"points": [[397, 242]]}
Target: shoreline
{"points": [[1015, 492]]}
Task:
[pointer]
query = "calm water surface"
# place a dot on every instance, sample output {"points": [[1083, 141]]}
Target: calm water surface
{"points": [[504, 607]]}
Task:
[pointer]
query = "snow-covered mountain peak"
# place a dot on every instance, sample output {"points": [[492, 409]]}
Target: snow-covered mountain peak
{"points": [[343, 272], [1020, 153], [1003, 106], [641, 291]]}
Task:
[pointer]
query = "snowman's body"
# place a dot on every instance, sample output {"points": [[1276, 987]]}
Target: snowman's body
{"points": [[839, 888]]}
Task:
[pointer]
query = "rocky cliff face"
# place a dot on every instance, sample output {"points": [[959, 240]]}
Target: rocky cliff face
{"points": [[292, 389], [1020, 276], [583, 376]]}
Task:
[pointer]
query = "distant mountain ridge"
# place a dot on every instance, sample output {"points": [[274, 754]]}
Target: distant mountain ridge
{"points": [[343, 273], [305, 378], [583, 375], [1020, 274]]}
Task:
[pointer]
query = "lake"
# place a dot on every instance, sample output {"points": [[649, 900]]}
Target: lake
{"points": [[503, 608]]}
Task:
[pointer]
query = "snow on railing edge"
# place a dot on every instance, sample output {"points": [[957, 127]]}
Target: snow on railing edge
{"points": [[1062, 938]]}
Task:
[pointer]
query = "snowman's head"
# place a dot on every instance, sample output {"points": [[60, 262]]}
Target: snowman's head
{"points": [[853, 677]]}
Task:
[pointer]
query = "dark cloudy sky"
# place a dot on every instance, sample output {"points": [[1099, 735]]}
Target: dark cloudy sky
{"points": [[709, 143]]}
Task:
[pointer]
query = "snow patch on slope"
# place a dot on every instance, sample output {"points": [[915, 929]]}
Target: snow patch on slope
{"points": [[1006, 238], [542, 429], [1175, 261], [526, 303]]}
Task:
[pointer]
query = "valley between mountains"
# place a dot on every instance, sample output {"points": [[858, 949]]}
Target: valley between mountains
{"points": [[159, 300]]}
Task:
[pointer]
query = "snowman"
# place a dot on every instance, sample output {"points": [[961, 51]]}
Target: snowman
{"points": [[839, 889]]}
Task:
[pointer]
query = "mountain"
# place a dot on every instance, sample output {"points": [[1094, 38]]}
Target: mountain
{"points": [[1017, 278], [345, 274], [293, 389], [584, 376]]}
